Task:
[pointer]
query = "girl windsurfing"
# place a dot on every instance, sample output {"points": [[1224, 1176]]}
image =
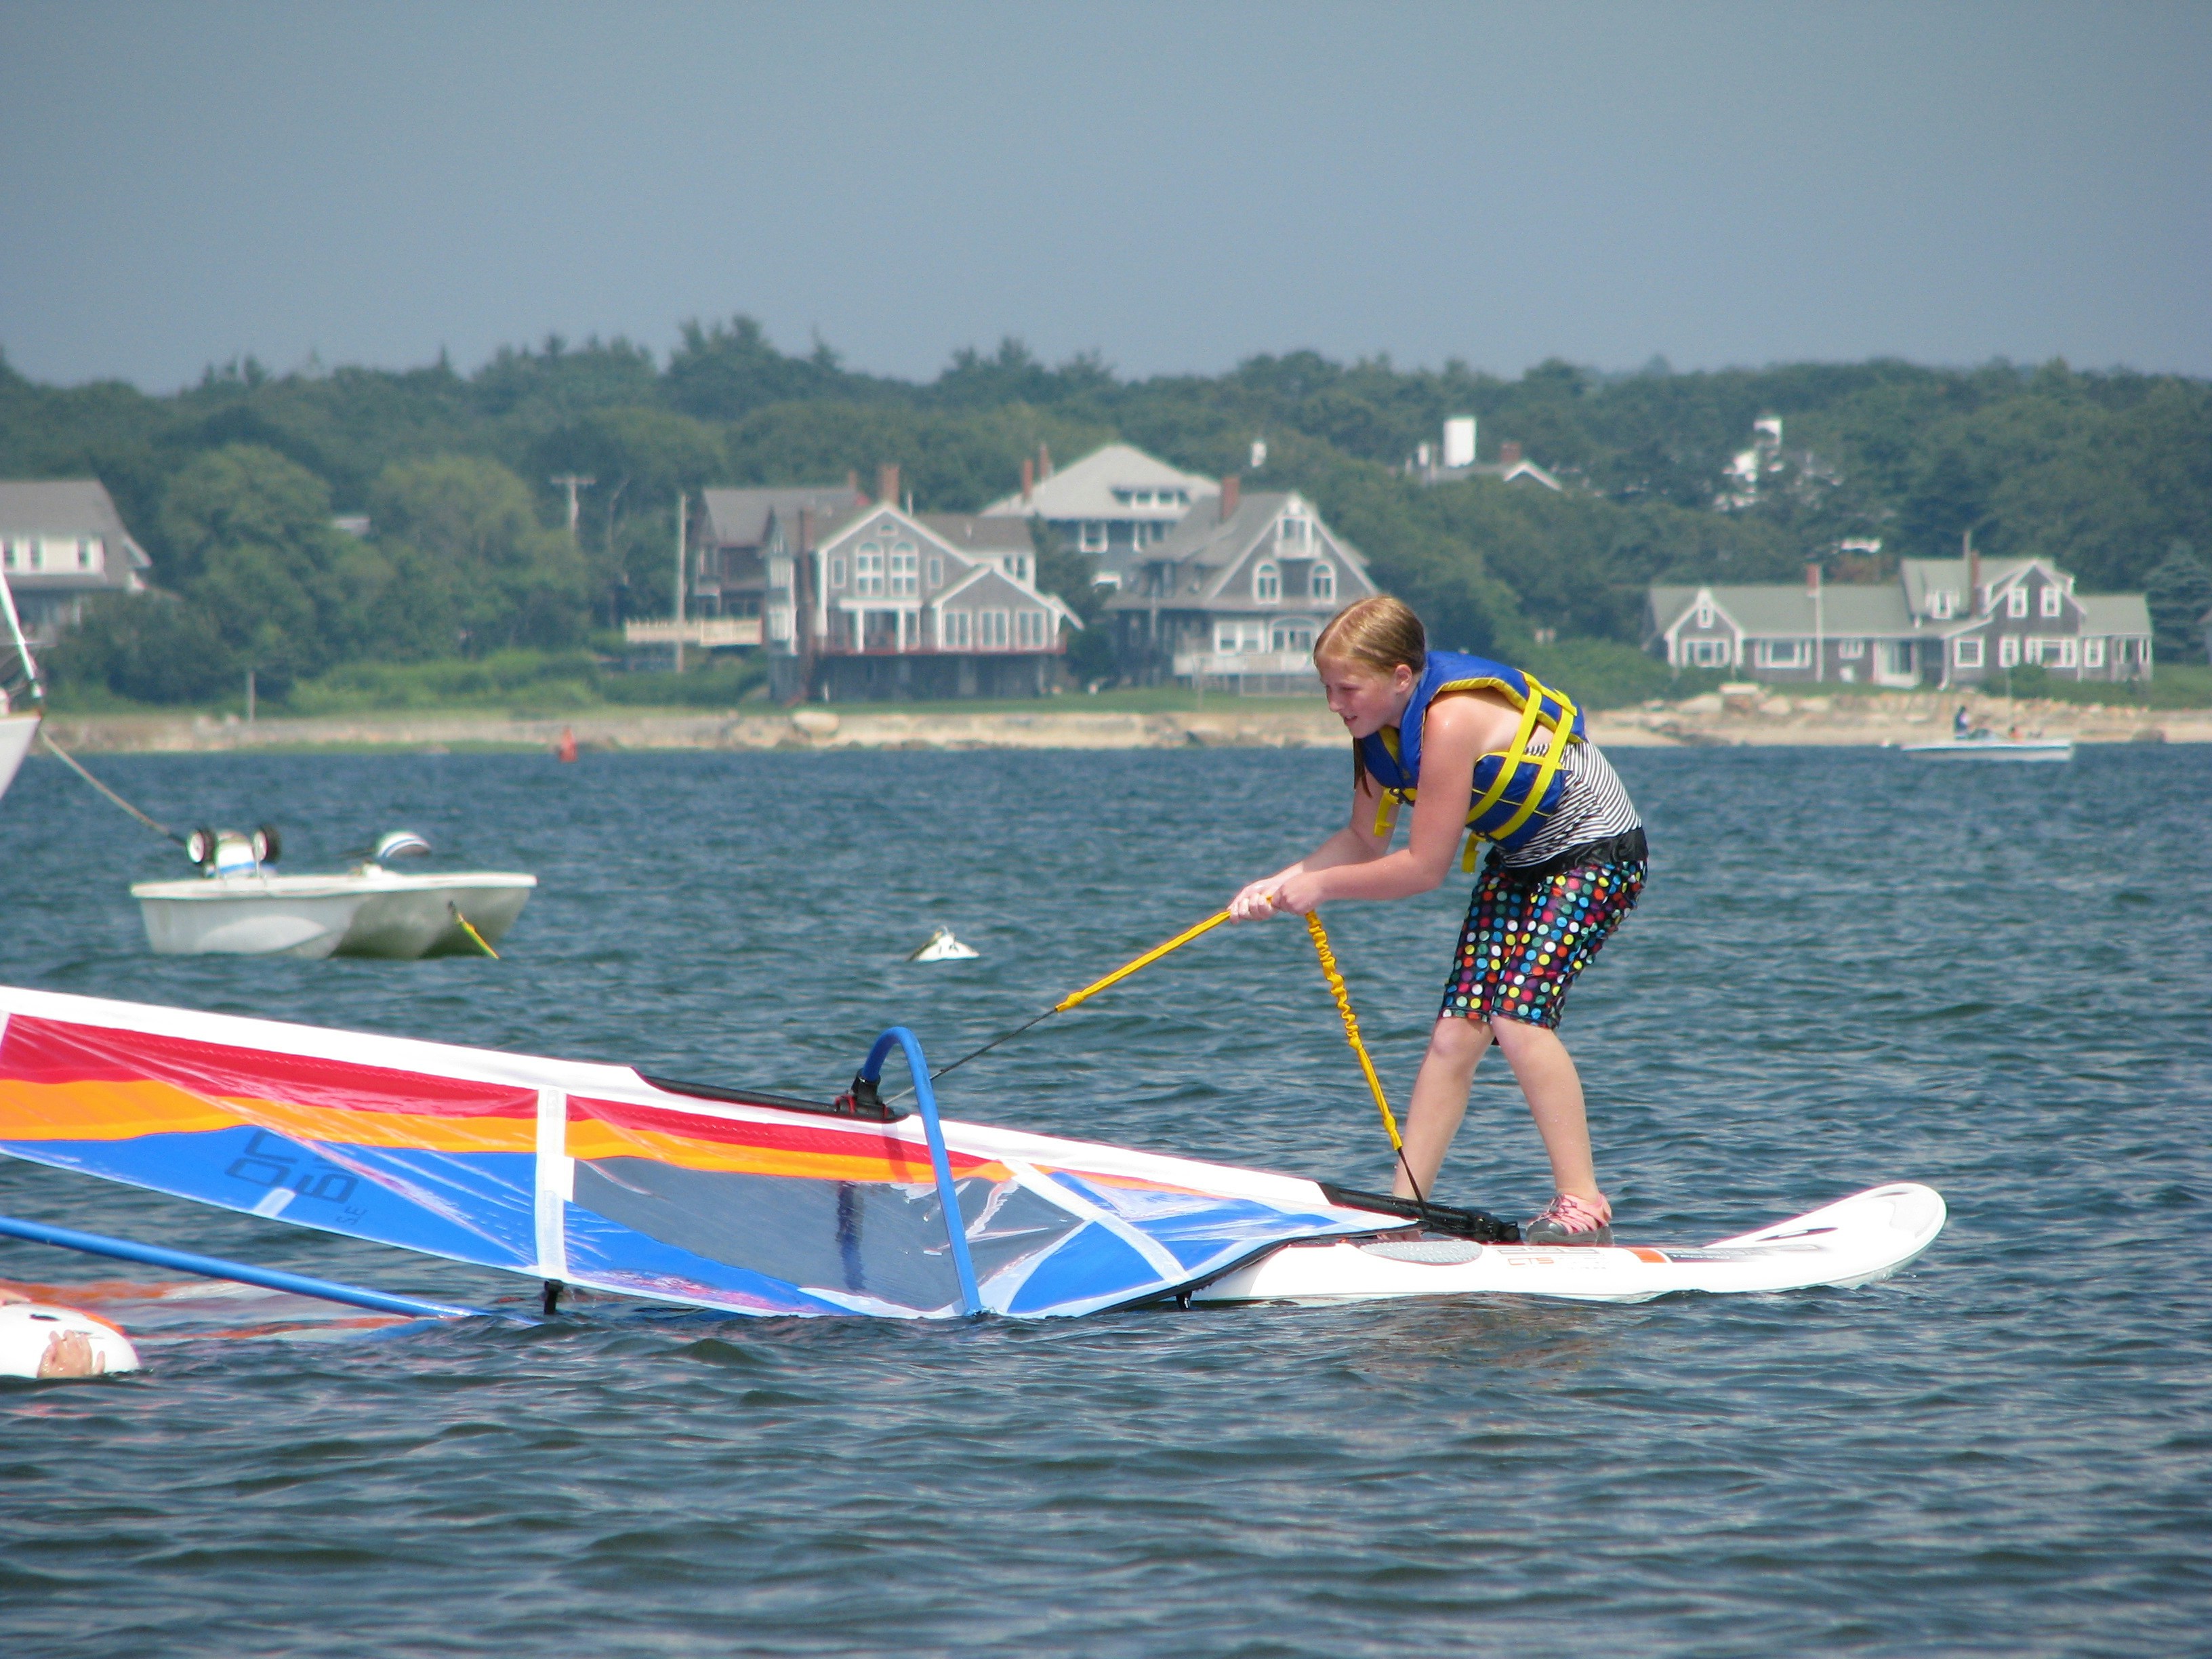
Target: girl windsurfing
{"points": [[1484, 751]]}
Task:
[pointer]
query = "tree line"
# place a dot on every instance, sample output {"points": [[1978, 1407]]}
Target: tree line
{"points": [[231, 485]]}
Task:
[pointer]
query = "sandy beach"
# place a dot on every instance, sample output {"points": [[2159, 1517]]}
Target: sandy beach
{"points": [[1702, 722]]}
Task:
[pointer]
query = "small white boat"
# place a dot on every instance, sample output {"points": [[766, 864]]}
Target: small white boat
{"points": [[1986, 748], [238, 908]]}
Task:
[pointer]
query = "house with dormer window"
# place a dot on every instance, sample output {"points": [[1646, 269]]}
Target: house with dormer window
{"points": [[888, 605], [1941, 623], [62, 542], [1233, 596], [1112, 505]]}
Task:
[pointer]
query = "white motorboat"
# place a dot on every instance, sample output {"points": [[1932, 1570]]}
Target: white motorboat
{"points": [[1981, 746], [237, 908]]}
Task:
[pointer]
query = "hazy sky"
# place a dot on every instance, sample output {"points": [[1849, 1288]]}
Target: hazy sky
{"points": [[1175, 186]]}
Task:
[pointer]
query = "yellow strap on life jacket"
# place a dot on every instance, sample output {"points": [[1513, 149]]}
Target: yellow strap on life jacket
{"points": [[1562, 729]]}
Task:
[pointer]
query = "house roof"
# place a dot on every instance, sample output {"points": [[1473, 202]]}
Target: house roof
{"points": [[1949, 576], [1085, 489], [70, 507], [739, 518], [1204, 550], [1785, 609], [2114, 613], [973, 533]]}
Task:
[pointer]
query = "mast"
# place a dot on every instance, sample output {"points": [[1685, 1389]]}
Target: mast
{"points": [[23, 646]]}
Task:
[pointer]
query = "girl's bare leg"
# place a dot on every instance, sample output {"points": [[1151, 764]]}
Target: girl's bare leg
{"points": [[1440, 1099], [1547, 1076]]}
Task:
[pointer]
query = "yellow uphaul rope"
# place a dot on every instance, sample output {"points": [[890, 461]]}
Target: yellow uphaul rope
{"points": [[1336, 989], [1144, 961]]}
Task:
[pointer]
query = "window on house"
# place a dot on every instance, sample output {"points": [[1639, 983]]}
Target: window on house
{"points": [[1941, 602], [1292, 532], [868, 568], [1783, 653], [2009, 650], [937, 570], [1704, 613], [1967, 653], [1322, 582], [2016, 602], [7, 555], [1029, 630], [1020, 562], [837, 573], [1710, 654], [38, 556], [1291, 636], [2054, 601], [957, 633], [2093, 654], [902, 568], [1267, 581], [1090, 538], [1850, 650], [779, 621], [87, 553]]}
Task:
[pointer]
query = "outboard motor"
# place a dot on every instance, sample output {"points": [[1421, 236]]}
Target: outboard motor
{"points": [[400, 843], [233, 852]]}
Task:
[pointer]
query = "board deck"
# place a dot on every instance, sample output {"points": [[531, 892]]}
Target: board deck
{"points": [[1854, 1241]]}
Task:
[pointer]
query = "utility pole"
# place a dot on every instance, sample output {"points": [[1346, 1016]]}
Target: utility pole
{"points": [[680, 506], [572, 482]]}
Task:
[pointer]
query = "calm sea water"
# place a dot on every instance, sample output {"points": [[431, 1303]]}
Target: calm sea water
{"points": [[1847, 969]]}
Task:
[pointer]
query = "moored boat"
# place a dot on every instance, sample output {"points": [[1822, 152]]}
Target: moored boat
{"points": [[1983, 747], [239, 908]]}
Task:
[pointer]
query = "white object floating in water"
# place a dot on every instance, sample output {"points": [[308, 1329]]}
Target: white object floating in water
{"points": [[34, 1342], [942, 947]]}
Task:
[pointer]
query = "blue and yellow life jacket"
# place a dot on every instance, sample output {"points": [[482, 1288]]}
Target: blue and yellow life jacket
{"points": [[1516, 793]]}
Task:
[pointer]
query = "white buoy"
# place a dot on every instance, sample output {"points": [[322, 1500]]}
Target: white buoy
{"points": [[35, 1342], [942, 947]]}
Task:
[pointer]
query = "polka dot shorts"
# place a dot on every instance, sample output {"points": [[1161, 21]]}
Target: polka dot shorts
{"points": [[1528, 933]]}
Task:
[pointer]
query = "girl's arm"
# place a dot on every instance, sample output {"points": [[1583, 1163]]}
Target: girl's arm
{"points": [[1356, 843], [1459, 729]]}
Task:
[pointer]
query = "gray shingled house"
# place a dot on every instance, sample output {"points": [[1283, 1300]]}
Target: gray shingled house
{"points": [[892, 605], [1939, 623], [1233, 595], [62, 542]]}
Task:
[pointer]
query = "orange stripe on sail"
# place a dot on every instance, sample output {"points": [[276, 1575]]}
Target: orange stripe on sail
{"points": [[93, 1111]]}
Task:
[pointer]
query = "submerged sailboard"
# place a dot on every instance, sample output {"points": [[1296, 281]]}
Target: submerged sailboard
{"points": [[594, 1175]]}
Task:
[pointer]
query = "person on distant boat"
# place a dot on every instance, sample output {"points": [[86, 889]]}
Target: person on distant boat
{"points": [[1482, 750]]}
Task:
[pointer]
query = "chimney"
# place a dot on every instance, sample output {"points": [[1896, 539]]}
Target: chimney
{"points": [[1973, 577], [1509, 454], [1813, 579], [1044, 462], [1232, 491], [1029, 479], [887, 484], [853, 481]]}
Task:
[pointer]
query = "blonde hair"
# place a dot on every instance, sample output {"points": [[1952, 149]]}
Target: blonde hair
{"points": [[1381, 632]]}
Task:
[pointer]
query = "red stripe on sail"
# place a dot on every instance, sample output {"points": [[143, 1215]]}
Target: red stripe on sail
{"points": [[55, 1051]]}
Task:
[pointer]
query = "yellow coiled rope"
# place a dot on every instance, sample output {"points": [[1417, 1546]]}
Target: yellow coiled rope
{"points": [[1336, 989]]}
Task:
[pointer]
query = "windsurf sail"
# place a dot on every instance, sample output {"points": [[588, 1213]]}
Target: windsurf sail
{"points": [[592, 1175]]}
